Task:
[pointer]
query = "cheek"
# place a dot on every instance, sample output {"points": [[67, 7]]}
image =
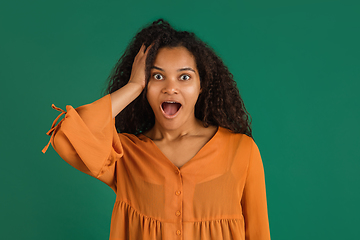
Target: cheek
{"points": [[150, 95], [193, 92]]}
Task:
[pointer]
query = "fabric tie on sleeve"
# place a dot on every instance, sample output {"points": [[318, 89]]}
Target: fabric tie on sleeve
{"points": [[53, 126]]}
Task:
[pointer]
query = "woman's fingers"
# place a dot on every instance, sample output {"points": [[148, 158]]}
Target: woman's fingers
{"points": [[141, 52], [149, 47], [138, 67]]}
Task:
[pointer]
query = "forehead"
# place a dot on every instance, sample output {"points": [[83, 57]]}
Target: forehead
{"points": [[174, 58]]}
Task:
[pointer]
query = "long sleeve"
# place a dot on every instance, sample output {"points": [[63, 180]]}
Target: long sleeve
{"points": [[86, 138], [254, 199]]}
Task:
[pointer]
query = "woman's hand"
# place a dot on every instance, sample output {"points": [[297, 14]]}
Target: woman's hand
{"points": [[138, 68], [125, 95]]}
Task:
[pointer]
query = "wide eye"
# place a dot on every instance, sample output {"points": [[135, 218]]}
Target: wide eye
{"points": [[185, 77], [158, 76]]}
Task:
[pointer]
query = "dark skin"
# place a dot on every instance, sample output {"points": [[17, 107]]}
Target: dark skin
{"points": [[174, 77], [182, 149]]}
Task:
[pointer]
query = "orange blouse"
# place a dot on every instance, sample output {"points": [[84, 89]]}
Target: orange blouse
{"points": [[218, 194]]}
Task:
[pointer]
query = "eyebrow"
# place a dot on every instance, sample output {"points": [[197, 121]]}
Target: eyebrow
{"points": [[186, 69], [179, 70]]}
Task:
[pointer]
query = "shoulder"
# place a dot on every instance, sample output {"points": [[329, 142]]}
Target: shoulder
{"points": [[235, 137], [237, 144]]}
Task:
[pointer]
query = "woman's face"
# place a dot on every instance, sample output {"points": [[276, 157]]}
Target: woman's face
{"points": [[173, 87]]}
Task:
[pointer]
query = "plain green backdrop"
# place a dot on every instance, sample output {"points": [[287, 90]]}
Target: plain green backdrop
{"points": [[297, 67]]}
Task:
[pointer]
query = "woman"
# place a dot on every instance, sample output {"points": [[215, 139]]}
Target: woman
{"points": [[184, 165]]}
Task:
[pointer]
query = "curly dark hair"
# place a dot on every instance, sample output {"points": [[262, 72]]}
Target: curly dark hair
{"points": [[219, 103]]}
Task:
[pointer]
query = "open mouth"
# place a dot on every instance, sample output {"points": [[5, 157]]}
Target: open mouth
{"points": [[170, 108]]}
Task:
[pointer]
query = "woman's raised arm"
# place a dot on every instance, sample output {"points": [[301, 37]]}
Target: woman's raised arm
{"points": [[86, 137]]}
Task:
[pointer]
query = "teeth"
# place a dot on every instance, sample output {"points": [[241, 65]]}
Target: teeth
{"points": [[170, 102]]}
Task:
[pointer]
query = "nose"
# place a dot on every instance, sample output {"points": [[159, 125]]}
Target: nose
{"points": [[170, 87]]}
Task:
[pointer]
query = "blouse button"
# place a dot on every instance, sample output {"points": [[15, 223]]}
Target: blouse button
{"points": [[178, 213], [108, 162], [178, 232], [177, 193], [177, 171]]}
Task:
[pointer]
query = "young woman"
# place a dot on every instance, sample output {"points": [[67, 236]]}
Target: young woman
{"points": [[173, 139]]}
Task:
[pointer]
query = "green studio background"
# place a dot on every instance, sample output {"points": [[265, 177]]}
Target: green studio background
{"points": [[296, 64]]}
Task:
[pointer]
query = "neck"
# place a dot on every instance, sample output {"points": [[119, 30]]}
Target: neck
{"points": [[159, 133]]}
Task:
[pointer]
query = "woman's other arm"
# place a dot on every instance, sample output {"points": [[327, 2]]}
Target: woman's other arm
{"points": [[254, 202]]}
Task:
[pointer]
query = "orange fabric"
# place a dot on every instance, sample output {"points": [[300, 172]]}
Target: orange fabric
{"points": [[53, 126], [219, 194]]}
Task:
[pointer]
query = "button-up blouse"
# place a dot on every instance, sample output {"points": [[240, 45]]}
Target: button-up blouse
{"points": [[218, 195]]}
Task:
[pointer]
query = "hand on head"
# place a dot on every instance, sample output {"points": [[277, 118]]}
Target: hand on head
{"points": [[138, 67]]}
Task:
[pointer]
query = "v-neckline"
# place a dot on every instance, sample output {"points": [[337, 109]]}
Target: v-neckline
{"points": [[191, 159]]}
